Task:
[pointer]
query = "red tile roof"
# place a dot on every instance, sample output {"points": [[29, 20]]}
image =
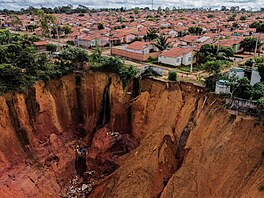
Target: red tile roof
{"points": [[138, 45], [176, 52], [41, 43]]}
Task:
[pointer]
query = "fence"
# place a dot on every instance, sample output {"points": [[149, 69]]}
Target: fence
{"points": [[249, 107]]}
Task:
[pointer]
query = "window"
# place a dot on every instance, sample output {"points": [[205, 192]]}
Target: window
{"points": [[190, 58], [178, 59]]}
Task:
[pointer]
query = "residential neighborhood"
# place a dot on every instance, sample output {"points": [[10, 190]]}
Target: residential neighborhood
{"points": [[129, 98], [170, 38]]}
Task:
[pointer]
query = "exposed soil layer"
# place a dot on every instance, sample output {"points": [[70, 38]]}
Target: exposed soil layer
{"points": [[83, 135]]}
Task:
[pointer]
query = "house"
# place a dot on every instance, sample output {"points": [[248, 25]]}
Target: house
{"points": [[176, 56], [41, 45], [189, 40], [236, 72], [255, 77], [222, 87], [141, 47], [38, 31], [86, 41], [103, 41], [233, 42], [138, 50]]}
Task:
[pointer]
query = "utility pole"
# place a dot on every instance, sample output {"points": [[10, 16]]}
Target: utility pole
{"points": [[110, 36], [191, 68], [256, 47]]}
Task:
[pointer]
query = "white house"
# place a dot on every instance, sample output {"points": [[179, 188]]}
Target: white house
{"points": [[222, 87], [255, 77], [237, 72], [176, 56]]}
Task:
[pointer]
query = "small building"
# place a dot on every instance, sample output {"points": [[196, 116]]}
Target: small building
{"points": [[236, 72], [222, 87], [41, 45], [176, 56], [137, 50], [156, 69], [255, 77]]}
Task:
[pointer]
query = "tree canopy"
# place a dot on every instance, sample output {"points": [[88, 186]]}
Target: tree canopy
{"points": [[249, 44], [162, 43]]}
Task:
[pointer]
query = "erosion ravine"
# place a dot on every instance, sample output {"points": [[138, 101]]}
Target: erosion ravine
{"points": [[83, 135]]}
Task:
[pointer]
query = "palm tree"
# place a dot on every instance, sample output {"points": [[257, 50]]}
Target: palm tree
{"points": [[151, 34], [162, 43]]}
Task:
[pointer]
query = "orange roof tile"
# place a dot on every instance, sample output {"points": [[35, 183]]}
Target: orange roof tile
{"points": [[176, 52]]}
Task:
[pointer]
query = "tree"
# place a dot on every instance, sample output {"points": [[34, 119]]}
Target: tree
{"points": [[172, 76], [210, 16], [127, 73], [255, 24], [11, 78], [45, 21], [243, 18], [235, 25], [136, 11], [249, 44], [258, 91], [223, 8], [51, 48], [260, 67], [66, 29], [250, 62], [232, 18], [96, 56], [162, 43], [260, 28], [15, 21], [243, 89], [167, 10], [76, 56], [212, 67], [159, 10], [196, 30], [100, 26], [152, 34]]}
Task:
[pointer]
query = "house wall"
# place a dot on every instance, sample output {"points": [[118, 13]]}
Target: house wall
{"points": [[222, 89], [103, 42], [255, 77], [135, 51], [130, 37], [133, 55], [145, 51], [184, 59], [187, 59], [236, 48], [236, 73], [170, 61], [83, 43], [173, 33]]}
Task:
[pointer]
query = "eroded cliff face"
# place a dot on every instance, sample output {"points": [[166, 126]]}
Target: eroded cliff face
{"points": [[169, 140], [40, 128], [189, 147]]}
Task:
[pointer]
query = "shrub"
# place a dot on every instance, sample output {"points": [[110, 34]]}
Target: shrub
{"points": [[51, 48], [172, 76]]}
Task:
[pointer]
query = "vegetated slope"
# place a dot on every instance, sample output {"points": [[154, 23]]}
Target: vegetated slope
{"points": [[189, 147]]}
